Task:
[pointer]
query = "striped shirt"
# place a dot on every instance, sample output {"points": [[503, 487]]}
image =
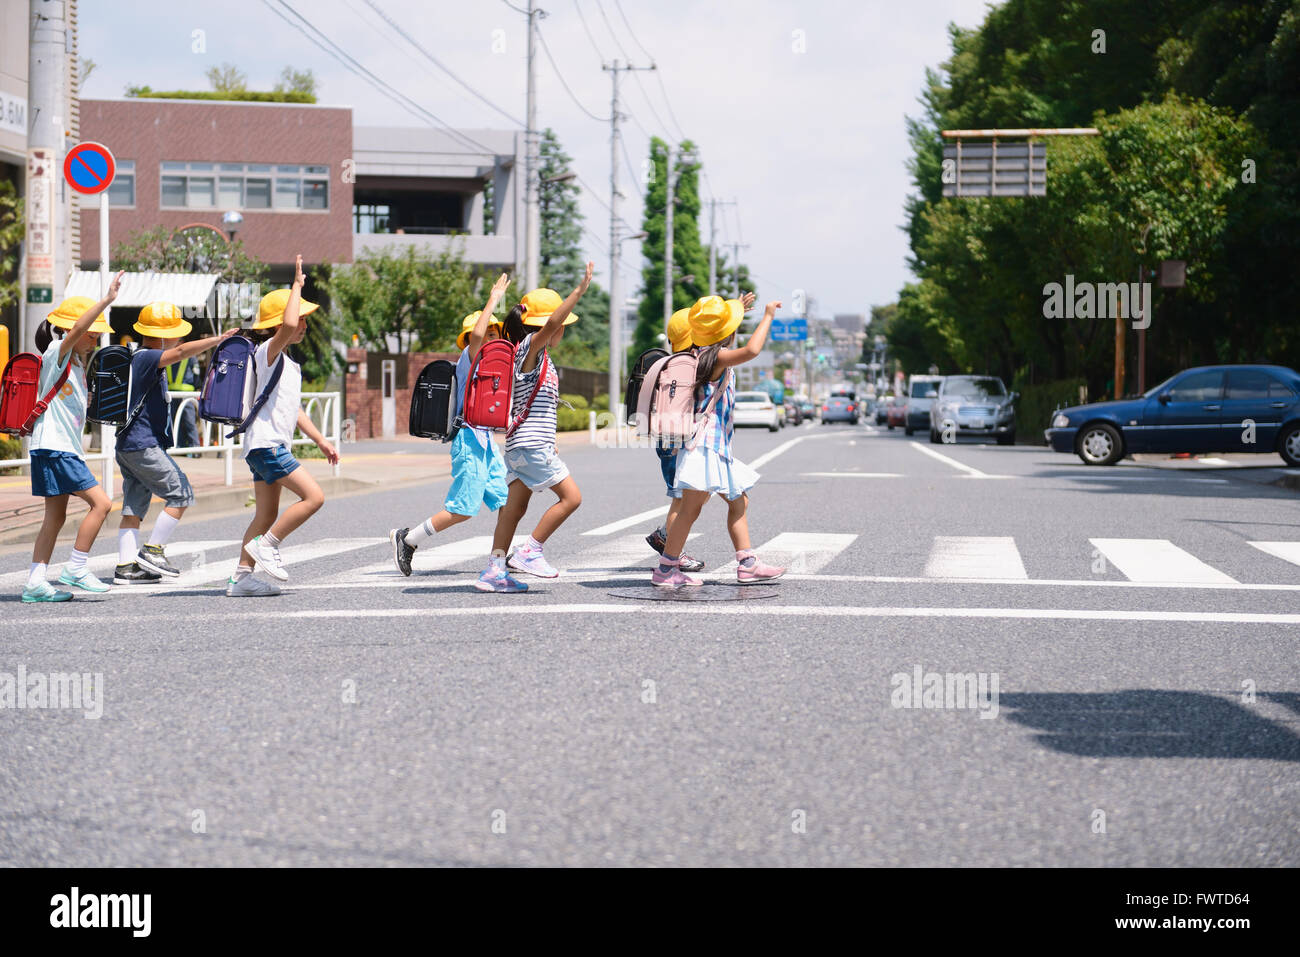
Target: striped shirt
{"points": [[538, 430], [716, 436]]}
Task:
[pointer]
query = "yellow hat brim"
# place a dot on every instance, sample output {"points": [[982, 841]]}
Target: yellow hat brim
{"points": [[535, 321], [159, 332], [63, 322], [305, 308], [462, 340], [707, 337]]}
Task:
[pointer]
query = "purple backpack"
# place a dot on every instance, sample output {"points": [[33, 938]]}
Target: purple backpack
{"points": [[227, 395]]}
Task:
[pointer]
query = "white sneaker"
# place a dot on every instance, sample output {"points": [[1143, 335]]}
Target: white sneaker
{"points": [[268, 556], [250, 586], [531, 563]]}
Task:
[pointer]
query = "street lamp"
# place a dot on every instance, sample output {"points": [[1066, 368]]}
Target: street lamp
{"points": [[232, 220], [616, 334]]}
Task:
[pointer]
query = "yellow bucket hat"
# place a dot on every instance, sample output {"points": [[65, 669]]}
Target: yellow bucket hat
{"points": [[713, 319], [467, 326], [270, 311], [679, 330], [72, 309], [162, 320], [540, 304]]}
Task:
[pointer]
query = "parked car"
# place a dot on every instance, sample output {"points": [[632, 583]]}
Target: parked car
{"points": [[882, 409], [1225, 408], [973, 405], [757, 408], [896, 414], [839, 408], [793, 414], [920, 390], [808, 409]]}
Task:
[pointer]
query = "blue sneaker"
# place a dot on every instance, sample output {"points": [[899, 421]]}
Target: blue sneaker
{"points": [[496, 579], [45, 592], [85, 581]]}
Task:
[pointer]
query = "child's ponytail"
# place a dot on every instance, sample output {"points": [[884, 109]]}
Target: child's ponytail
{"points": [[44, 336], [513, 328], [708, 359]]}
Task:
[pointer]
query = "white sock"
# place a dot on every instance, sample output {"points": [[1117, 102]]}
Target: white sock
{"points": [[77, 563], [271, 540], [163, 528], [243, 571], [533, 544], [128, 545], [417, 536], [36, 575], [499, 561]]}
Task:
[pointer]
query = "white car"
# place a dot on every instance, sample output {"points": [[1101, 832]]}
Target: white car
{"points": [[757, 408]]}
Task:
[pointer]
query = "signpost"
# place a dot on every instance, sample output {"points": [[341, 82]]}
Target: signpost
{"points": [[789, 330], [89, 168]]}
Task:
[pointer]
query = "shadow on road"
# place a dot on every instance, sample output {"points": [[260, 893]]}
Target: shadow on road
{"points": [[1149, 723]]}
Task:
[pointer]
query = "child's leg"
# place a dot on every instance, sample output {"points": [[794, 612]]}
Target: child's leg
{"points": [[94, 520], [310, 499], [738, 522], [267, 498], [569, 497], [691, 503], [509, 517], [56, 512]]}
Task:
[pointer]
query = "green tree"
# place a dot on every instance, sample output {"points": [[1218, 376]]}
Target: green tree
{"points": [[295, 81], [192, 250], [227, 78], [11, 236], [559, 258]]}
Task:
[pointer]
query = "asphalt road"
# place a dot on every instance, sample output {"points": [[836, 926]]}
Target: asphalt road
{"points": [[1147, 707]]}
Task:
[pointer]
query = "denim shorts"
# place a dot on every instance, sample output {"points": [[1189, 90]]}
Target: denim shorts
{"points": [[148, 472], [270, 465], [478, 475], [59, 473], [668, 468], [537, 468]]}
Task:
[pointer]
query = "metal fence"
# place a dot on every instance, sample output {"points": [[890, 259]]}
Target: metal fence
{"points": [[323, 408]]}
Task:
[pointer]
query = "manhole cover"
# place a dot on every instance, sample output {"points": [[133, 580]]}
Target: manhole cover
{"points": [[700, 593]]}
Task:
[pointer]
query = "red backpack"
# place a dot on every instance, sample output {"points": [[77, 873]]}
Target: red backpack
{"points": [[19, 408], [491, 385]]}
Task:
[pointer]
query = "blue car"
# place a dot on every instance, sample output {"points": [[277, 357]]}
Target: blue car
{"points": [[1229, 408]]}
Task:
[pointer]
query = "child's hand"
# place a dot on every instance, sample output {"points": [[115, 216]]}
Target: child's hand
{"points": [[227, 334], [298, 277], [586, 280], [114, 287], [771, 309], [747, 300], [331, 454], [499, 287]]}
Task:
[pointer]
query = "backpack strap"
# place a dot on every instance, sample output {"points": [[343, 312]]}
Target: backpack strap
{"points": [[528, 407], [723, 383], [260, 400], [135, 412], [43, 403]]}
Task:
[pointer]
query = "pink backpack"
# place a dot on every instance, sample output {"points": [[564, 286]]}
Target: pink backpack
{"points": [[665, 409]]}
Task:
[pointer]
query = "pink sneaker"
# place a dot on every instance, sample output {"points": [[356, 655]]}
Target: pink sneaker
{"points": [[673, 579], [757, 572]]}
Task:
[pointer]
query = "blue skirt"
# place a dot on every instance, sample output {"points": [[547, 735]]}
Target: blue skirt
{"points": [[59, 473]]}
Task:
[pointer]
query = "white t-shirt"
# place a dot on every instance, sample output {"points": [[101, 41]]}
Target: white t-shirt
{"points": [[59, 429], [275, 423]]}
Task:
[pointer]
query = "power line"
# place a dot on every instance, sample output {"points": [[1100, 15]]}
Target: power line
{"points": [[560, 77], [594, 45], [617, 42], [438, 63], [658, 74]]}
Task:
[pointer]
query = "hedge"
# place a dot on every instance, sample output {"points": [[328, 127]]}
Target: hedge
{"points": [[1036, 404]]}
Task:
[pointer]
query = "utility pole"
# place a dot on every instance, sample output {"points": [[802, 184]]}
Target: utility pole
{"points": [[616, 361], [669, 267], [532, 163], [735, 264], [47, 269], [713, 243]]}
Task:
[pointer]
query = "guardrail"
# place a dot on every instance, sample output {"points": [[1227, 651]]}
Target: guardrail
{"points": [[323, 408]]}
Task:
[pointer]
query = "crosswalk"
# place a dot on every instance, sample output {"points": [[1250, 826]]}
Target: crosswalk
{"points": [[807, 555]]}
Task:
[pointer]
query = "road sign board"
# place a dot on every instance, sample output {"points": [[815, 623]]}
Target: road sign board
{"points": [[995, 168], [89, 168], [789, 330]]}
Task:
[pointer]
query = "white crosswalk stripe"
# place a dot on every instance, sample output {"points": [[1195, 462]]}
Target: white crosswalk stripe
{"points": [[1157, 560], [971, 556], [628, 551], [184, 555], [1287, 551], [802, 553], [467, 553]]}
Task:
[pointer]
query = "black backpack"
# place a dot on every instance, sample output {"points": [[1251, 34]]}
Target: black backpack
{"points": [[433, 402], [108, 388], [639, 368]]}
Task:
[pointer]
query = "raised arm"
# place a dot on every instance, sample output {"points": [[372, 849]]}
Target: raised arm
{"points": [[187, 349], [284, 335], [485, 317], [87, 318], [757, 339], [546, 335]]}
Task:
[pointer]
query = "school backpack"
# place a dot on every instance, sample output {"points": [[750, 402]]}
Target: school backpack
{"points": [[108, 388], [19, 407], [666, 405], [229, 387], [489, 387], [433, 402], [639, 369]]}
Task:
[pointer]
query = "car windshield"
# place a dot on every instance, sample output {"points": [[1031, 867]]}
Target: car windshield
{"points": [[751, 397], [923, 390], [974, 387]]}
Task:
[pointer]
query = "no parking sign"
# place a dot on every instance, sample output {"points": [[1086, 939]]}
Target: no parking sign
{"points": [[89, 168]]}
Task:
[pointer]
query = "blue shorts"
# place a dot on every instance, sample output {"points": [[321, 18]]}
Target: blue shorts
{"points": [[270, 465], [537, 468], [478, 475], [668, 467], [59, 473]]}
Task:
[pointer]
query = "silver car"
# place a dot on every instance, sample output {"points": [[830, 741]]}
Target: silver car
{"points": [[973, 405]]}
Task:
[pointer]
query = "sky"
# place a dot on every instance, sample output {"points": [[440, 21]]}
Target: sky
{"points": [[797, 108]]}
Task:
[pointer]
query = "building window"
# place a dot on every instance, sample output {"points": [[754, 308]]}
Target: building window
{"points": [[122, 192], [369, 218], [241, 186]]}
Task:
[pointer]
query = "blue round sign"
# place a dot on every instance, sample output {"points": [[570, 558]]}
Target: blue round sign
{"points": [[89, 168]]}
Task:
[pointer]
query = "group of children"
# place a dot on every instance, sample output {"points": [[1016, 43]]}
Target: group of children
{"points": [[482, 475], [705, 466]]}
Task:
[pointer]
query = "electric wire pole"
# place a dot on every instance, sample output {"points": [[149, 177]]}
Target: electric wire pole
{"points": [[735, 252], [713, 243], [532, 163], [669, 270]]}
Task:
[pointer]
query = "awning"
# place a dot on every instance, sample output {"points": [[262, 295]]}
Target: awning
{"points": [[142, 288]]}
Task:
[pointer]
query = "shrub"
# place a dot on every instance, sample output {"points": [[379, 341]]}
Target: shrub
{"points": [[571, 420], [575, 400], [1037, 402], [10, 448]]}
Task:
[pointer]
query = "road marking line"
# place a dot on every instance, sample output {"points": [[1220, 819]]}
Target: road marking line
{"points": [[972, 472], [525, 607], [1287, 551], [629, 551], [975, 557], [804, 553], [213, 572], [852, 474], [1157, 560], [104, 565]]}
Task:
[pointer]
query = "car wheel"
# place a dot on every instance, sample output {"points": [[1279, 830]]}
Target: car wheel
{"points": [[1289, 446], [908, 430], [934, 437], [773, 427], [1008, 439], [1100, 444]]}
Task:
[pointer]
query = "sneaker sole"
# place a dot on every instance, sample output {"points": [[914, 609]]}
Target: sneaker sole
{"points": [[156, 568], [483, 586], [758, 581], [136, 581], [41, 601], [525, 571], [86, 588]]}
